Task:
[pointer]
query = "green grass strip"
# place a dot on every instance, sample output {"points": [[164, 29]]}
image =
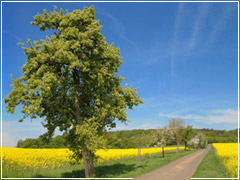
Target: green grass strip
{"points": [[211, 167]]}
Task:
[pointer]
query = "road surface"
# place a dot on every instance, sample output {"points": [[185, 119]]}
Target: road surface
{"points": [[180, 169]]}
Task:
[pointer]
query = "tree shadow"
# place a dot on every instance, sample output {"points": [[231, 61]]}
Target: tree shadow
{"points": [[103, 171], [74, 174], [41, 176]]}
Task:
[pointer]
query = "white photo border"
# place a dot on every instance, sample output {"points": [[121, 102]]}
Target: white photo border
{"points": [[117, 2]]}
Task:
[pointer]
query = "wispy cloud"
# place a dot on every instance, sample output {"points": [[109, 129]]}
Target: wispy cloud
{"points": [[118, 28], [220, 25], [190, 43], [155, 53], [228, 116], [177, 24], [13, 36], [200, 20]]}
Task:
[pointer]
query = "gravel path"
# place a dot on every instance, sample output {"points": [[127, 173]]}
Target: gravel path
{"points": [[180, 169]]}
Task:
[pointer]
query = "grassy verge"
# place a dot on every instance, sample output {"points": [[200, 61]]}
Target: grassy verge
{"points": [[211, 167], [109, 169]]}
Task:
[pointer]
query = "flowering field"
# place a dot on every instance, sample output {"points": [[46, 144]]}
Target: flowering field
{"points": [[228, 154], [55, 158]]}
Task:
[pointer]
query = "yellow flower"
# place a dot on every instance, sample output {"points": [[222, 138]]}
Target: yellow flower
{"points": [[228, 154], [54, 158]]}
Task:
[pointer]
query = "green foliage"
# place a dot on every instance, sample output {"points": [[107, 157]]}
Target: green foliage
{"points": [[130, 139], [220, 136], [71, 80], [188, 133], [234, 132], [56, 142], [20, 143]]}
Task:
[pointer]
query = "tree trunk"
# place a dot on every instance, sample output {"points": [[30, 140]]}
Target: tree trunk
{"points": [[88, 161], [87, 155], [139, 156], [163, 152], [185, 145], [177, 147]]}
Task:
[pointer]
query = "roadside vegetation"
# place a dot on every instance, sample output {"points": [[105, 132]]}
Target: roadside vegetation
{"points": [[220, 162], [210, 167]]}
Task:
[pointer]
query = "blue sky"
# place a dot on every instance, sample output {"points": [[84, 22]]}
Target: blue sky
{"points": [[182, 56]]}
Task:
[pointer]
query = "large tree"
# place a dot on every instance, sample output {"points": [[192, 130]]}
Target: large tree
{"points": [[71, 80]]}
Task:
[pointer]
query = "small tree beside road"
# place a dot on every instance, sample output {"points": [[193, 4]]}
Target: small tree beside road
{"points": [[187, 136], [162, 136], [143, 140], [177, 126], [198, 141]]}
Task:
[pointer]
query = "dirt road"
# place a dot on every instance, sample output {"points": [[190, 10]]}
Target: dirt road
{"points": [[180, 169]]}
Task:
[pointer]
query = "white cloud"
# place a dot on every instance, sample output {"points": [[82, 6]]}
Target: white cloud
{"points": [[9, 140], [228, 116], [120, 127], [178, 116], [224, 116], [14, 130], [27, 125]]}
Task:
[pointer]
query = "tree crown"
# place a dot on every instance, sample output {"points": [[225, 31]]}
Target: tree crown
{"points": [[71, 78]]}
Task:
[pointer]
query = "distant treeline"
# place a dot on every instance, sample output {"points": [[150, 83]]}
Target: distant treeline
{"points": [[128, 139], [221, 136]]}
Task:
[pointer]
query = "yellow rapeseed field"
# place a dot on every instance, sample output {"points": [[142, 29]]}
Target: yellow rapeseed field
{"points": [[54, 158], [228, 154]]}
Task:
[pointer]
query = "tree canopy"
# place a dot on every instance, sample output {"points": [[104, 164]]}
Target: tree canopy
{"points": [[187, 135], [71, 80], [177, 126]]}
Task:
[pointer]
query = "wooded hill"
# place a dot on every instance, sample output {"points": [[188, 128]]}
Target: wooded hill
{"points": [[129, 139]]}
